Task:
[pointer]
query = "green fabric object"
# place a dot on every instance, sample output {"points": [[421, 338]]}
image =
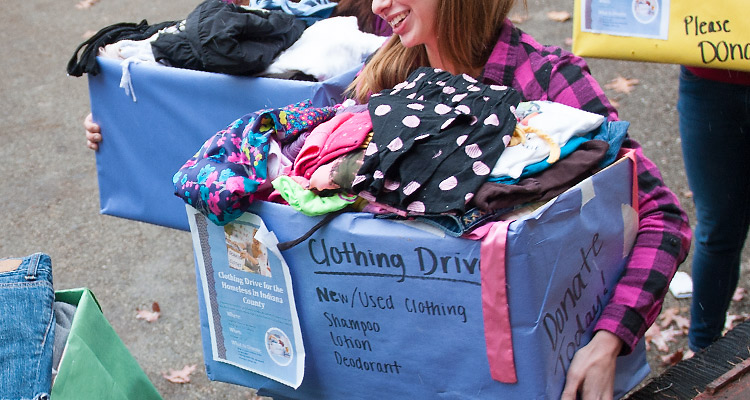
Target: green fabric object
{"points": [[306, 201], [96, 364]]}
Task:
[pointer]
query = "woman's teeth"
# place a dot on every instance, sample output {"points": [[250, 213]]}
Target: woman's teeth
{"points": [[395, 21]]}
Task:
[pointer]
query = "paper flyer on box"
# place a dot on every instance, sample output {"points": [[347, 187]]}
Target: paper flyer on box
{"points": [[636, 18], [249, 298]]}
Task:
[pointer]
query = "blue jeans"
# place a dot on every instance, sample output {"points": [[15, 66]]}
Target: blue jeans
{"points": [[715, 131], [26, 329]]}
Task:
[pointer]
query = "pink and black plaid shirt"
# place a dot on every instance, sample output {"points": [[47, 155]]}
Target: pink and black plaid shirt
{"points": [[550, 73]]}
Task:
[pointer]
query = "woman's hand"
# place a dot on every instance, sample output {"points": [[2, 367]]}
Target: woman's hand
{"points": [[93, 132], [592, 370]]}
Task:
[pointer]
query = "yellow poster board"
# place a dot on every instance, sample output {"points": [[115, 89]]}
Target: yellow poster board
{"points": [[712, 34]]}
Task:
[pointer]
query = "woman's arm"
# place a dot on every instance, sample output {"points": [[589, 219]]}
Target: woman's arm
{"points": [[662, 243], [664, 234], [663, 237]]}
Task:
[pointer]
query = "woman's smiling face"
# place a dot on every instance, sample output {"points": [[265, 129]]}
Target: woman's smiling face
{"points": [[414, 21]]}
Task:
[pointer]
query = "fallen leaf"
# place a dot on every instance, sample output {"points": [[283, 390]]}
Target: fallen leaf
{"points": [[149, 316], [672, 359], [670, 334], [568, 41], [660, 337], [83, 4], [682, 322], [558, 16], [739, 294], [688, 194], [518, 18], [89, 33], [734, 319], [673, 315], [614, 103], [650, 333], [667, 315], [621, 84], [179, 376]]}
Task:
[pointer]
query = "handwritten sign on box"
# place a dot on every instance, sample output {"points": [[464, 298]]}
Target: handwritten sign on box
{"points": [[388, 309]]}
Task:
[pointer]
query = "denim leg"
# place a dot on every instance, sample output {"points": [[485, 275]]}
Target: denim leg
{"points": [[715, 132], [26, 329]]}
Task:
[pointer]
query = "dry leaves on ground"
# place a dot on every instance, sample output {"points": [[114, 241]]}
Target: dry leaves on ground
{"points": [[674, 315], [621, 84], [739, 294], [558, 16], [179, 376], [661, 337], [84, 4], [149, 316], [672, 323], [734, 320], [674, 358], [676, 324]]}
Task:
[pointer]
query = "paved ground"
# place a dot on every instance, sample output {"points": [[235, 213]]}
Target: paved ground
{"points": [[49, 188]]}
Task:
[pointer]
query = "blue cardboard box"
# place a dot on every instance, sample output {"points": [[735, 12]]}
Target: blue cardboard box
{"points": [[421, 296]]}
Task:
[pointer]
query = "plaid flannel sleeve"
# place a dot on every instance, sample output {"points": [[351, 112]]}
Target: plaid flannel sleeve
{"points": [[663, 238], [662, 243], [664, 234]]}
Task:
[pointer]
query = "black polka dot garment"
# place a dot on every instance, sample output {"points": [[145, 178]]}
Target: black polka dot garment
{"points": [[436, 137]]}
